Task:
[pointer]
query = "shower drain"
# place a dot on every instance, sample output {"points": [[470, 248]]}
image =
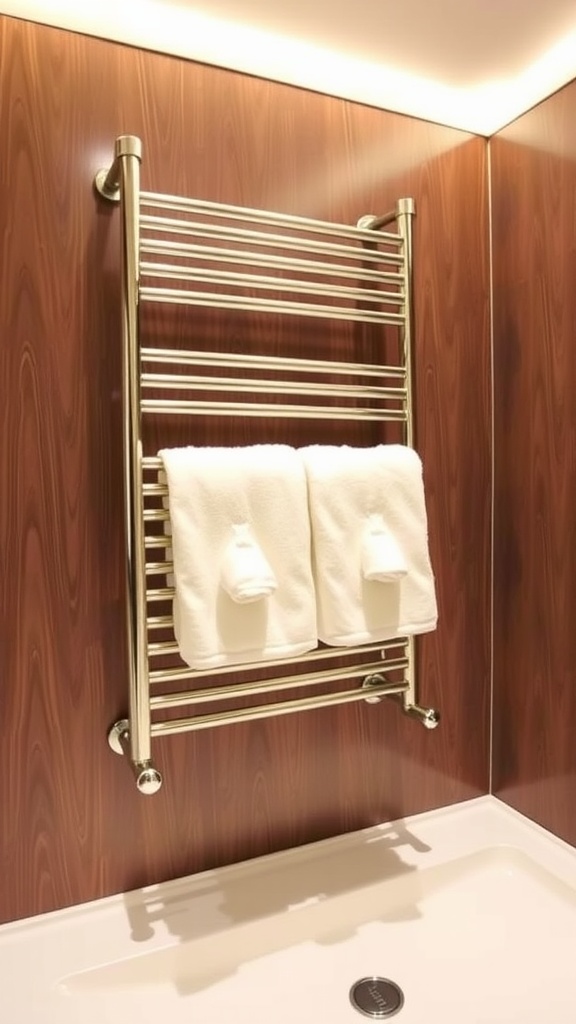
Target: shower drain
{"points": [[376, 997]]}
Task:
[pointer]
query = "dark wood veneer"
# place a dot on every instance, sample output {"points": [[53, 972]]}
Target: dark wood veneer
{"points": [[72, 827], [534, 231]]}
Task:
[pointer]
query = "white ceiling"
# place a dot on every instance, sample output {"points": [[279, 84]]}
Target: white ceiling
{"points": [[472, 64]]}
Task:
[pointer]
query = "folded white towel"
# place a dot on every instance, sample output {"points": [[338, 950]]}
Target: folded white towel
{"points": [[382, 556], [246, 574], [210, 491], [346, 486]]}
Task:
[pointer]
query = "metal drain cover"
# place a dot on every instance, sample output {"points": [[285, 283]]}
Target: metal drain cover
{"points": [[376, 997]]}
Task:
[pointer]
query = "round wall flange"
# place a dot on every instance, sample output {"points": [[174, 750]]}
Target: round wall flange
{"points": [[119, 729], [113, 195], [368, 683]]}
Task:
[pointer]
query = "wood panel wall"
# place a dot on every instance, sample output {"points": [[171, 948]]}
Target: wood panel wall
{"points": [[72, 827], [534, 233]]}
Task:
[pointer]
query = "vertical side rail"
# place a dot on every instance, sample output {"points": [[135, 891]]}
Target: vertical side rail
{"points": [[128, 153], [403, 216], [132, 736], [405, 212]]}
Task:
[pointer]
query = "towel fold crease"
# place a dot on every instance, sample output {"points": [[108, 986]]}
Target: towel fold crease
{"points": [[382, 556], [246, 574]]}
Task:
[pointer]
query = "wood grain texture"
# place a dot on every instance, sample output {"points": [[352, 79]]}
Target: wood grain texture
{"points": [[72, 826], [534, 189]]}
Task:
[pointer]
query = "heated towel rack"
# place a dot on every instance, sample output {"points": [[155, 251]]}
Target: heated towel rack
{"points": [[216, 257]]}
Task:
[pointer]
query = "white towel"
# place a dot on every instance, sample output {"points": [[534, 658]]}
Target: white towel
{"points": [[346, 486], [210, 491]]}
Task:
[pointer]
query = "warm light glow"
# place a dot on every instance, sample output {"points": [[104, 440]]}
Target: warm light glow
{"points": [[170, 28]]}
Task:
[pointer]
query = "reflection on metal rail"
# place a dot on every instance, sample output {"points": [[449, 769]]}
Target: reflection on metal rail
{"points": [[215, 256]]}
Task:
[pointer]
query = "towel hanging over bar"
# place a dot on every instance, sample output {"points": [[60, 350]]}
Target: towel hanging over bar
{"points": [[211, 256]]}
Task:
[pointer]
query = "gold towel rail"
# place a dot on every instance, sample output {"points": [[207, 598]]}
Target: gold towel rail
{"points": [[216, 256]]}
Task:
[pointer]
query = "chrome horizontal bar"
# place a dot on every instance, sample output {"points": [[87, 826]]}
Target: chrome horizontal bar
{"points": [[259, 305], [154, 568], [160, 622], [156, 515], [160, 541], [157, 489], [268, 217], [196, 382], [288, 243], [310, 412], [235, 690], [272, 710], [276, 363], [180, 674], [268, 261], [160, 594], [160, 648], [259, 282]]}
